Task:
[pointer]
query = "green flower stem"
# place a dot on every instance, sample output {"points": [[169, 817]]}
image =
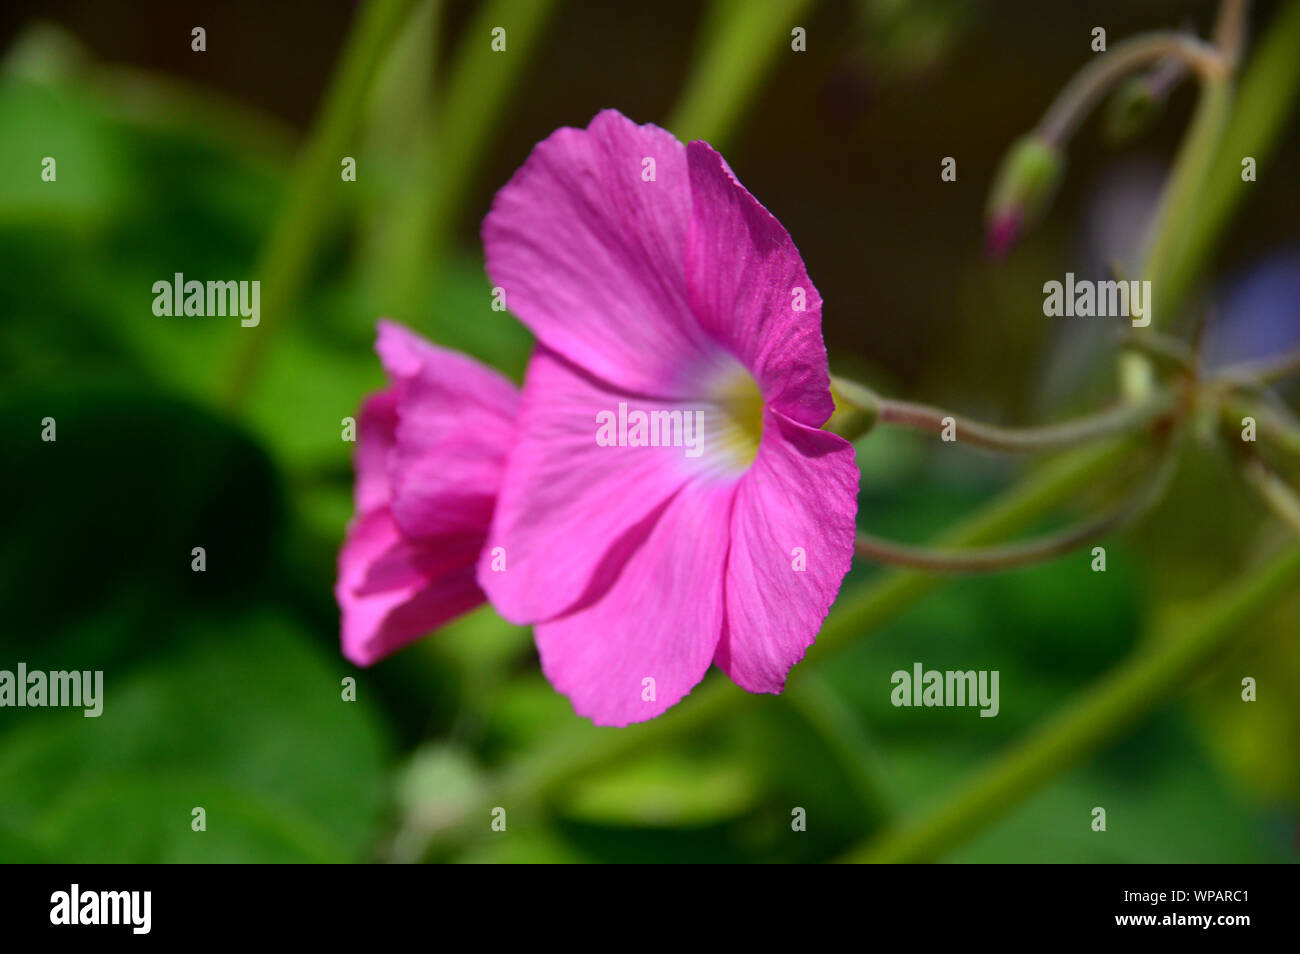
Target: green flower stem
{"points": [[1174, 353], [1117, 421], [1176, 209], [1184, 188], [1132, 690], [399, 134], [1230, 30], [1273, 427], [1265, 101], [843, 733], [301, 221], [741, 38], [1179, 209], [1274, 491], [1009, 556], [1250, 373], [478, 84], [1095, 80]]}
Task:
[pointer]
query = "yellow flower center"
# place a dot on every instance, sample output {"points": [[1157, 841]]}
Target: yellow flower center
{"points": [[736, 429]]}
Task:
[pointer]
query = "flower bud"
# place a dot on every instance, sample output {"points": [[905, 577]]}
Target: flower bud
{"points": [[1023, 188], [856, 409], [1131, 109]]}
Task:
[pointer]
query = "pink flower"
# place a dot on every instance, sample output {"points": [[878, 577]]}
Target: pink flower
{"points": [[429, 459], [653, 279]]}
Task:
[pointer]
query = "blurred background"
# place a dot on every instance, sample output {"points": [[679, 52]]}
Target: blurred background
{"points": [[223, 688]]}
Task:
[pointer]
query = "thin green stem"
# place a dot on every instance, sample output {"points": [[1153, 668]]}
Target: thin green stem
{"points": [[1251, 373], [741, 39], [1010, 556], [1114, 422], [1177, 204], [1173, 353], [299, 226], [1129, 692], [1274, 491], [1095, 80], [1267, 97], [478, 84], [1272, 426], [400, 133], [837, 725], [1230, 30], [1177, 208]]}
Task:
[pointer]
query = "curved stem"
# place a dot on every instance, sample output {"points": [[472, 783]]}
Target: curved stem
{"points": [[1230, 31], [1181, 192], [1014, 555], [1164, 349], [1263, 371], [1261, 114], [1274, 491], [1125, 419], [1125, 695], [1096, 79], [1177, 204], [1273, 425]]}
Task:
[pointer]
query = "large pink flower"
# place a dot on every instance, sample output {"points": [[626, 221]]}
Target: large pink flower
{"points": [[653, 279], [429, 458]]}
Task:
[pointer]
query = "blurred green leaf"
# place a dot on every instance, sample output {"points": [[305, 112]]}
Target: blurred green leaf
{"points": [[147, 819], [1248, 738], [38, 122], [669, 790], [247, 712], [134, 481]]}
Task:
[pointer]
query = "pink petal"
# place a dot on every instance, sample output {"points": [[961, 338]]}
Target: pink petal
{"points": [[569, 509], [660, 620], [388, 600], [743, 271], [592, 256], [456, 423], [430, 452], [376, 436], [450, 386], [401, 351], [801, 493]]}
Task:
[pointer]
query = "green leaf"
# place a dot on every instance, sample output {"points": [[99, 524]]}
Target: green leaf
{"points": [[148, 820], [247, 709]]}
